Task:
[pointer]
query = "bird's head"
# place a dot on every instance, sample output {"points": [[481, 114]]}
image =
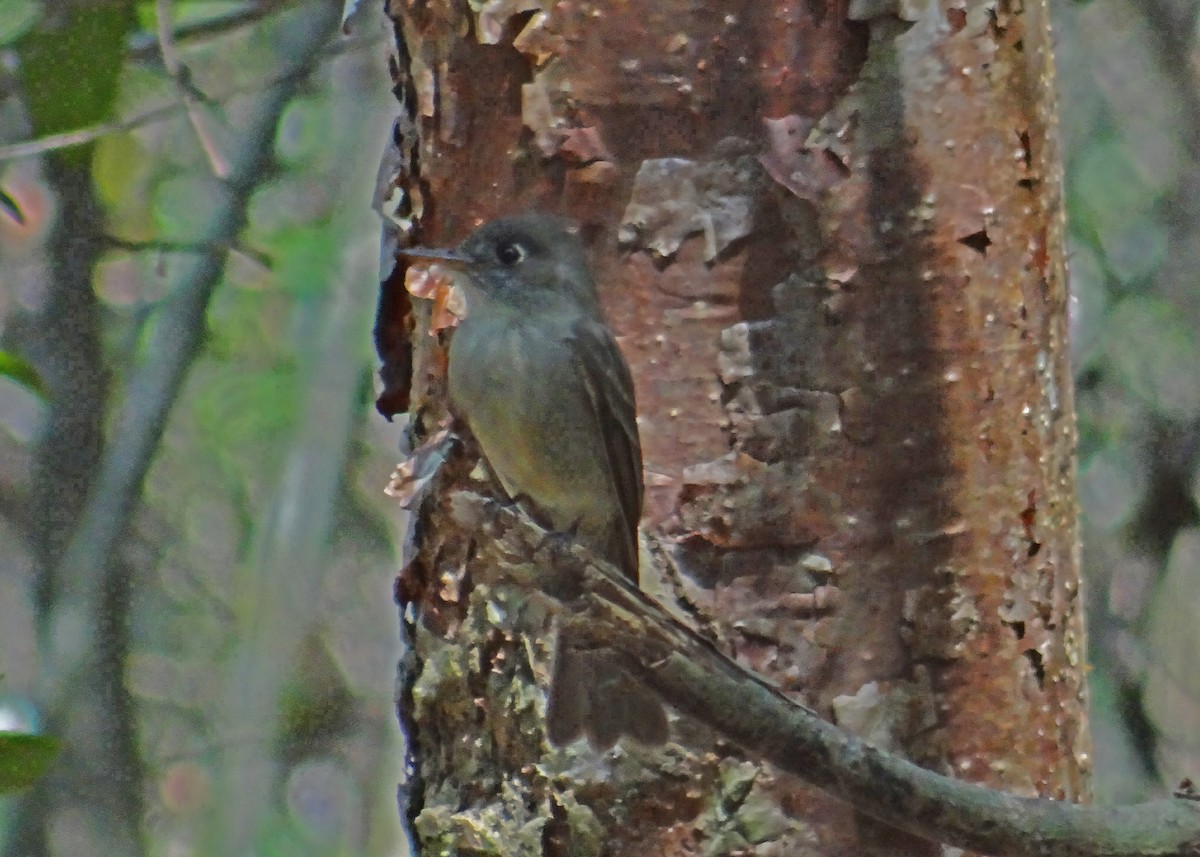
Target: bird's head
{"points": [[530, 262]]}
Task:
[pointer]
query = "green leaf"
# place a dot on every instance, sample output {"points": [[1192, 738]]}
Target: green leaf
{"points": [[24, 758], [10, 205], [20, 370], [70, 73]]}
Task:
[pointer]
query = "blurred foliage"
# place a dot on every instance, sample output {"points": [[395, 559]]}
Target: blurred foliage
{"points": [[19, 370], [70, 67], [24, 758], [286, 336], [11, 208], [1129, 77], [17, 17]]}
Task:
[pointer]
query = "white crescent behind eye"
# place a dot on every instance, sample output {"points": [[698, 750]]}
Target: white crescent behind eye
{"points": [[511, 253]]}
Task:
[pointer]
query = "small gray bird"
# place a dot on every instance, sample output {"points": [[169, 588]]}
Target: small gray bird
{"points": [[537, 375]]}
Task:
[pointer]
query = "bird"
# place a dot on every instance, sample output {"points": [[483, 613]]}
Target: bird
{"points": [[538, 377]]}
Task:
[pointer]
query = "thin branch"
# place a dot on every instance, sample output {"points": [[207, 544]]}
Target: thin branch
{"points": [[144, 46], [91, 133], [82, 136], [604, 610], [186, 93], [164, 246]]}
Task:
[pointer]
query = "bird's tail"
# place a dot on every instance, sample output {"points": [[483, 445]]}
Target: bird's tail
{"points": [[591, 695]]}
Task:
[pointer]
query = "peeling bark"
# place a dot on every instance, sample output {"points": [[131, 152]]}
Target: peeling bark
{"points": [[828, 236], [518, 562]]}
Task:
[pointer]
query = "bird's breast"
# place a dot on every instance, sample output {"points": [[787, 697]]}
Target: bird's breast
{"points": [[519, 388]]}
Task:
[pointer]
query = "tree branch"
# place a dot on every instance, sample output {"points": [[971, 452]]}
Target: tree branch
{"points": [[603, 609], [187, 95], [82, 136], [165, 246], [145, 46]]}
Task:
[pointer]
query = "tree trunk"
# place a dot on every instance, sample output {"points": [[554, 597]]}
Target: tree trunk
{"points": [[828, 236]]}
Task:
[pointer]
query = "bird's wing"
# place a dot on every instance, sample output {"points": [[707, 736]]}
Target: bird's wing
{"points": [[609, 387]]}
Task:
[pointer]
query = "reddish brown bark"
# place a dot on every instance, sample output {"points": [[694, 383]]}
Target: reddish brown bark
{"points": [[844, 306]]}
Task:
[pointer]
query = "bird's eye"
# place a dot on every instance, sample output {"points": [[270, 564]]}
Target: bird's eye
{"points": [[510, 253]]}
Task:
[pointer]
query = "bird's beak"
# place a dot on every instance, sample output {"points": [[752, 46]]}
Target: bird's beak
{"points": [[451, 256]]}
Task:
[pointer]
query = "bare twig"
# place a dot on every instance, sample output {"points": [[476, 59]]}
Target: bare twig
{"points": [[240, 249], [143, 46], [187, 95], [83, 136]]}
